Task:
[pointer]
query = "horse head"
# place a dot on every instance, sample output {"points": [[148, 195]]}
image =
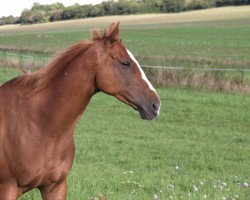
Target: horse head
{"points": [[119, 74]]}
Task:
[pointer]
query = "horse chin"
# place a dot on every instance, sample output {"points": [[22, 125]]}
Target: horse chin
{"points": [[145, 115]]}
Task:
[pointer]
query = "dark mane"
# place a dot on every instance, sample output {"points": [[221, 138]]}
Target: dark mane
{"points": [[35, 82]]}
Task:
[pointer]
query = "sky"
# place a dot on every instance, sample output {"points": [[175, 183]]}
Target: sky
{"points": [[15, 7]]}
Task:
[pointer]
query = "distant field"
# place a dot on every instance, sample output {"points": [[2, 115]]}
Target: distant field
{"points": [[208, 38], [201, 140]]}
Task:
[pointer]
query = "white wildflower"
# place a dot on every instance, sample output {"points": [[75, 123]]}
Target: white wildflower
{"points": [[171, 186], [245, 184], [195, 188], [155, 197]]}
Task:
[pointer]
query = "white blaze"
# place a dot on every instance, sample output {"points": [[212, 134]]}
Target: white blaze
{"points": [[142, 72]]}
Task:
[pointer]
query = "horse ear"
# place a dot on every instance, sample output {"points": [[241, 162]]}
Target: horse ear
{"points": [[112, 33]]}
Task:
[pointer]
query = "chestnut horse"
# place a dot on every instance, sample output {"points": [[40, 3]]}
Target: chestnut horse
{"points": [[39, 111]]}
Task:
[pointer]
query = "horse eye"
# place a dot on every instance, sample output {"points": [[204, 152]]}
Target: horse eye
{"points": [[125, 64]]}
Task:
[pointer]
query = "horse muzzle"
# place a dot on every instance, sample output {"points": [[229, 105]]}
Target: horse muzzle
{"points": [[149, 108], [149, 112]]}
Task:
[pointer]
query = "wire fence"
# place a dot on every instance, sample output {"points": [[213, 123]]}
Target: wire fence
{"points": [[196, 69], [44, 58], [21, 55], [203, 77]]}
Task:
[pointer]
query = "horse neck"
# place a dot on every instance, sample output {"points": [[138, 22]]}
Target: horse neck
{"points": [[70, 92]]}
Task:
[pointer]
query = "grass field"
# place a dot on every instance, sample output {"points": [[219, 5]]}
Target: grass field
{"points": [[208, 38], [197, 149], [212, 38]]}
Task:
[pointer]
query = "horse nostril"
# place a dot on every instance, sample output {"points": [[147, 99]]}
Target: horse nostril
{"points": [[155, 107]]}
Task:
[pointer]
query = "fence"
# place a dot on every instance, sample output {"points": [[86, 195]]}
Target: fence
{"points": [[226, 79], [45, 59]]}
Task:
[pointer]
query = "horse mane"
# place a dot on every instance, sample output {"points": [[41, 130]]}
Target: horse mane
{"points": [[36, 81]]}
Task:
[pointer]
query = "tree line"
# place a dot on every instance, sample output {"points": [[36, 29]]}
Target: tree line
{"points": [[56, 12]]}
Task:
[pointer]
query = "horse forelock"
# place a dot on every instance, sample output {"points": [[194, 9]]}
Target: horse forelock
{"points": [[111, 33]]}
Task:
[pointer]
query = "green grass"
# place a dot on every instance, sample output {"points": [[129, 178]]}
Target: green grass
{"points": [[119, 156], [209, 38], [7, 73], [212, 38]]}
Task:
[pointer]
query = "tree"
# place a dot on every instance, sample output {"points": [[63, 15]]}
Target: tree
{"points": [[26, 16], [54, 12], [198, 4], [38, 16], [219, 3], [108, 7], [47, 8], [172, 5], [151, 5], [75, 12], [8, 20], [93, 11], [55, 15], [125, 7]]}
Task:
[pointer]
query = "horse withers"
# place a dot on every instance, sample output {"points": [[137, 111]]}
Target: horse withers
{"points": [[39, 111]]}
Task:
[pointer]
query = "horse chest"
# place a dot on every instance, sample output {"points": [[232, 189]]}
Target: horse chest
{"points": [[51, 167], [42, 180], [33, 179], [54, 176]]}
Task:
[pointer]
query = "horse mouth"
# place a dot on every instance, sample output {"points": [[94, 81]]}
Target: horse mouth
{"points": [[146, 114], [143, 113]]}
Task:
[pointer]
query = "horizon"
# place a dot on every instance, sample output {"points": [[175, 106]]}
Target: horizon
{"points": [[15, 7]]}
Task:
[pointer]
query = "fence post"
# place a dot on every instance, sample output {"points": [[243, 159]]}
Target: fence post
{"points": [[43, 58], [242, 79], [4, 58], [21, 58], [165, 58], [242, 62]]}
